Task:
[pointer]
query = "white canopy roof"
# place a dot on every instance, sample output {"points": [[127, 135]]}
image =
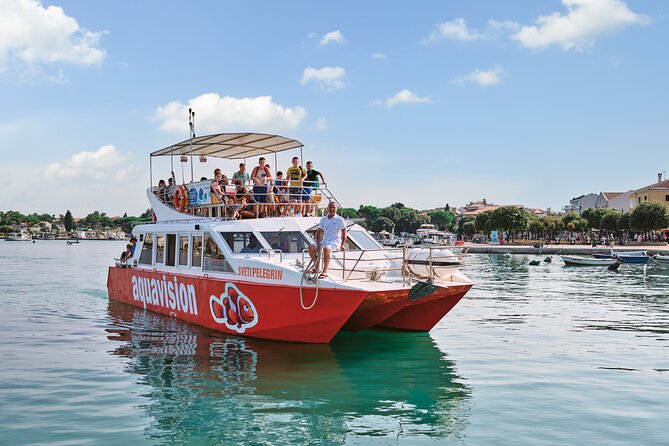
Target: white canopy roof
{"points": [[231, 145]]}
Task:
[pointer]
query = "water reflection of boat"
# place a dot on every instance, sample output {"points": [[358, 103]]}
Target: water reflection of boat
{"points": [[206, 386]]}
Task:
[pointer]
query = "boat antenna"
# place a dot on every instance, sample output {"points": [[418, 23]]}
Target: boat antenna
{"points": [[191, 124]]}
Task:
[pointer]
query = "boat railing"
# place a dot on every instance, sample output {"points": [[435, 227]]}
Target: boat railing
{"points": [[229, 206], [354, 258]]}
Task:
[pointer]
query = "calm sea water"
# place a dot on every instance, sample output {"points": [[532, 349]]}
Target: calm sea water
{"points": [[533, 355]]}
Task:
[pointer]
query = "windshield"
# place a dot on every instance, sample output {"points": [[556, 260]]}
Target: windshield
{"points": [[363, 239], [286, 241]]}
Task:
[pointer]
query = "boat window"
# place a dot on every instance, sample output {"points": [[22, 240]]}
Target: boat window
{"points": [[170, 249], [160, 249], [196, 259], [242, 242], [214, 260], [287, 242], [363, 239], [183, 250], [146, 256]]}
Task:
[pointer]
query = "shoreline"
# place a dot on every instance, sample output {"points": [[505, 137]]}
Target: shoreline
{"points": [[560, 249]]}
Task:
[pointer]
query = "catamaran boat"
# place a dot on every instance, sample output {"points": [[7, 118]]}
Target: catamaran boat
{"points": [[254, 276], [18, 237]]}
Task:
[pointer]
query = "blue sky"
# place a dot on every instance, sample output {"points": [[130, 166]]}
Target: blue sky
{"points": [[431, 102]]}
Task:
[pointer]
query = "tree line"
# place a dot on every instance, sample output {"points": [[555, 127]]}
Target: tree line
{"points": [[94, 221], [512, 220]]}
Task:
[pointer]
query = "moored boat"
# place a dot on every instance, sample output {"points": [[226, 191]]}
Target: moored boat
{"points": [[589, 261], [18, 237], [252, 277], [640, 259]]}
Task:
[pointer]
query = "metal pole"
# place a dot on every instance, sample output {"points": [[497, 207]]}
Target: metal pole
{"points": [[276, 166], [151, 170], [191, 124]]}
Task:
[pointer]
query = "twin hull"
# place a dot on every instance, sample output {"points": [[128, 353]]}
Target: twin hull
{"points": [[277, 312]]}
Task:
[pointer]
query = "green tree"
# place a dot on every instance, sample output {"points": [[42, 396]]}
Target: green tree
{"points": [[410, 221], [382, 224], [442, 219], [349, 213], [510, 219], [6, 229], [649, 216], [392, 213], [469, 228], [483, 222], [68, 221], [594, 217], [609, 220]]}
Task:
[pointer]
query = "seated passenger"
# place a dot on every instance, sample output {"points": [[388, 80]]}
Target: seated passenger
{"points": [[331, 236], [162, 191], [230, 208], [252, 247], [125, 254], [248, 207]]}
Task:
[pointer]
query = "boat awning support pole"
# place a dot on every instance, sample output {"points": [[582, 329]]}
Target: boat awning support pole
{"points": [[276, 166], [151, 171]]}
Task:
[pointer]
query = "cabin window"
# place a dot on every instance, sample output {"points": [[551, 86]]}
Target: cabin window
{"points": [[363, 239], [183, 250], [241, 242], [160, 249], [214, 260], [196, 257], [287, 242], [170, 250], [146, 256]]}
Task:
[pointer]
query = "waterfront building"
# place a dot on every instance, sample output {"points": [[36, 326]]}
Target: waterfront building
{"points": [[655, 192]]}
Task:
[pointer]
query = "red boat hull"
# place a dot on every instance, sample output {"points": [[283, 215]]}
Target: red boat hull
{"points": [[424, 313], [237, 307], [393, 309]]}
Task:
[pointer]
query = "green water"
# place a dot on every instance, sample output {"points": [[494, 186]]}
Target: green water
{"points": [[532, 355]]}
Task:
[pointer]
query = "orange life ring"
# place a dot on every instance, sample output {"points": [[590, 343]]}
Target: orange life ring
{"points": [[180, 198]]}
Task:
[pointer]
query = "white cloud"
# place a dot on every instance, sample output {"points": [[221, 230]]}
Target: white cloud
{"points": [[505, 25], [455, 30], [103, 179], [583, 23], [214, 113], [105, 164], [484, 78], [333, 36], [33, 35], [403, 97], [378, 56], [330, 78], [58, 78], [321, 123]]}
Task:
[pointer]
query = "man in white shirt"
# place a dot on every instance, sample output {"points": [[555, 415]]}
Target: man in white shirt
{"points": [[331, 235]]}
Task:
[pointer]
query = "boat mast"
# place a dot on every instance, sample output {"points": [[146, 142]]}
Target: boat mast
{"points": [[191, 124]]}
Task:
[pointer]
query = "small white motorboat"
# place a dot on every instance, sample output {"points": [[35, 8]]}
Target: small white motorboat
{"points": [[590, 261]]}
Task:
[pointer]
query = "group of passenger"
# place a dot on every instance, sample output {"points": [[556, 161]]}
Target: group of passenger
{"points": [[259, 193]]}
